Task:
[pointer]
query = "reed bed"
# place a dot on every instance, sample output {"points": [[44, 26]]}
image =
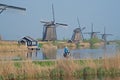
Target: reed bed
{"points": [[60, 45], [21, 55], [11, 49], [59, 68], [11, 46]]}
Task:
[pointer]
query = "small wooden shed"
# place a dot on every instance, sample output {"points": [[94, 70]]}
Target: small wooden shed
{"points": [[29, 42]]}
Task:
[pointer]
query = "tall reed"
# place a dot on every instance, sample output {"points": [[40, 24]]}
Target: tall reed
{"points": [[6, 46], [59, 68]]}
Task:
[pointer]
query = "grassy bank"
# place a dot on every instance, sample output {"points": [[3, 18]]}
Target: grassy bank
{"points": [[60, 68]]}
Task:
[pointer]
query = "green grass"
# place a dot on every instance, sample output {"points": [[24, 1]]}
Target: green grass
{"points": [[17, 64], [44, 63]]}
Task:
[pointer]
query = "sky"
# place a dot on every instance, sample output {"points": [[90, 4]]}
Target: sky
{"points": [[16, 24]]}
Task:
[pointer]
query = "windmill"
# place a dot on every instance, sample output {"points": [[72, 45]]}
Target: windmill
{"points": [[49, 29], [4, 7], [92, 33], [104, 35], [77, 33]]}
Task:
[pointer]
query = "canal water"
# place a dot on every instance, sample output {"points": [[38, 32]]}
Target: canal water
{"points": [[100, 52]]}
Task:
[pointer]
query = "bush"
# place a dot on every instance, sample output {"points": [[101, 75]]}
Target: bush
{"points": [[11, 76], [1, 77], [101, 71], [78, 73], [57, 73], [88, 71]]}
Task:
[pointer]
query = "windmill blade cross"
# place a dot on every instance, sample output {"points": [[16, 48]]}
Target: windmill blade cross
{"points": [[91, 27], [83, 28], [62, 24], [95, 32], [44, 22], [78, 21], [53, 13], [2, 9], [87, 33]]}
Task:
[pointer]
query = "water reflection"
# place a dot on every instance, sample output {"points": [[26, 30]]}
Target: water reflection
{"points": [[34, 55], [91, 53], [99, 53], [49, 53], [40, 55]]}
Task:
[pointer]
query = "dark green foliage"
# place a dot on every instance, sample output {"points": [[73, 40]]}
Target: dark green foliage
{"points": [[22, 76], [54, 72], [93, 41], [11, 76], [38, 76], [114, 72], [55, 43], [1, 77], [78, 73], [44, 63], [17, 64], [56, 78], [78, 45], [43, 74], [88, 71], [57, 73], [81, 62], [101, 71], [40, 45]]}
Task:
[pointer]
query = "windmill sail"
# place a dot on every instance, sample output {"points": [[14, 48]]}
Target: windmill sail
{"points": [[5, 7], [12, 7]]}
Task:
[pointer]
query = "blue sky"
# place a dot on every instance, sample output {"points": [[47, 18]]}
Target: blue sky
{"points": [[102, 13]]}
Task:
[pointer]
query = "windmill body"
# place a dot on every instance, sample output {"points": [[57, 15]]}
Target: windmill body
{"points": [[49, 33], [77, 33], [77, 36], [49, 29], [92, 33], [104, 35]]}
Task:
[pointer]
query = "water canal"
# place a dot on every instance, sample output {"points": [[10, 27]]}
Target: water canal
{"points": [[100, 52]]}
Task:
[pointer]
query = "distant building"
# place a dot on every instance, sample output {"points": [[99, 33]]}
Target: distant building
{"points": [[77, 35], [29, 42]]}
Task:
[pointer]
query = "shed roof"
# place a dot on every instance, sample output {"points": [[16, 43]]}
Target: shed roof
{"points": [[27, 38]]}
